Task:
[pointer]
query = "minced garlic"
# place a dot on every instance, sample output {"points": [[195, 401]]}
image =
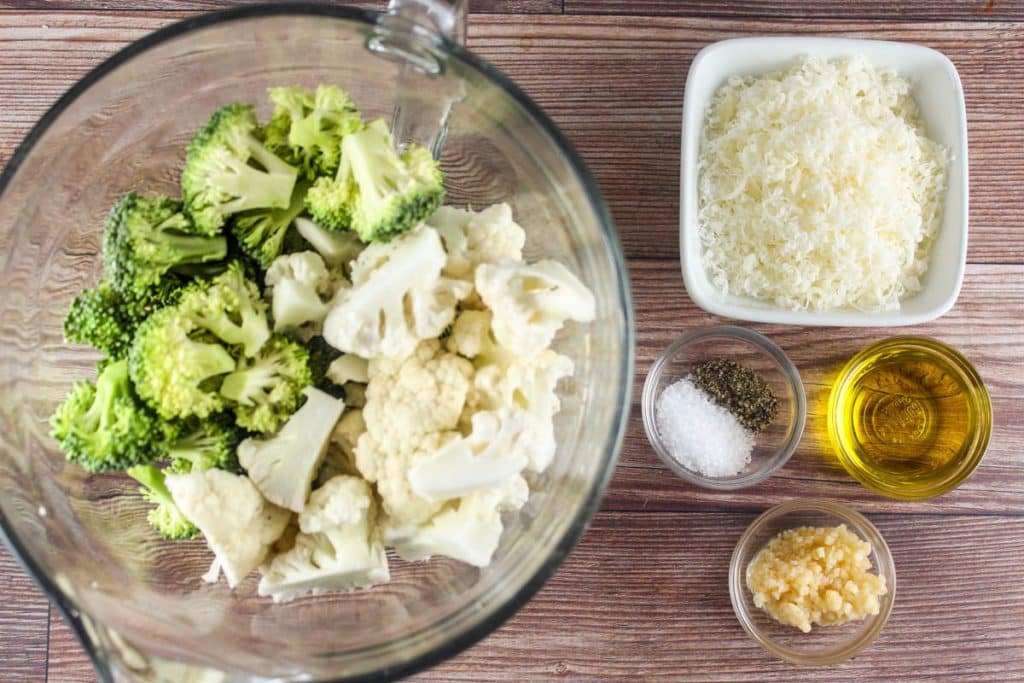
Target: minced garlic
{"points": [[815, 575]]}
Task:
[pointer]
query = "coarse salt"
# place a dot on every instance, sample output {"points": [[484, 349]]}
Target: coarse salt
{"points": [[699, 434]]}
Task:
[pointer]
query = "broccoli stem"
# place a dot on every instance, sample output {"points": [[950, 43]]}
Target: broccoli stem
{"points": [[207, 360], [269, 161], [110, 385], [253, 188], [168, 249], [153, 479]]}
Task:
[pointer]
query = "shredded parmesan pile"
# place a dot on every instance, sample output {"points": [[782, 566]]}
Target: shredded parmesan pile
{"points": [[818, 188]]}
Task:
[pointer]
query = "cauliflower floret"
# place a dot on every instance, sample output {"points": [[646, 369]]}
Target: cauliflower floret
{"points": [[398, 298], [238, 523], [283, 466], [341, 455], [529, 385], [468, 529], [300, 288], [349, 368], [424, 392], [351, 373], [531, 302], [495, 451], [472, 238], [386, 462], [473, 338], [337, 247], [339, 547]]}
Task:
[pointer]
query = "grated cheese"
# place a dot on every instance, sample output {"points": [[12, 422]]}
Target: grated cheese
{"points": [[818, 188]]}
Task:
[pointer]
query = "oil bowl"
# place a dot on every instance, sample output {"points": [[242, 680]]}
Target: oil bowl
{"points": [[909, 418], [824, 644], [776, 443]]}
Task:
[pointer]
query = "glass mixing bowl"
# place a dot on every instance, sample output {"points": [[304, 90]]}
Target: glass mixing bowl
{"points": [[138, 603]]}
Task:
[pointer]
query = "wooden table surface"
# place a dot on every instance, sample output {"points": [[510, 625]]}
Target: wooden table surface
{"points": [[644, 596]]}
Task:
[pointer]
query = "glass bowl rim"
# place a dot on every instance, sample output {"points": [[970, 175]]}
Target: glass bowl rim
{"points": [[981, 401], [763, 345], [863, 527], [612, 248]]}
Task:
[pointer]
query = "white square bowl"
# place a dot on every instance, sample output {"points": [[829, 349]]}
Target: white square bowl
{"points": [[935, 84]]}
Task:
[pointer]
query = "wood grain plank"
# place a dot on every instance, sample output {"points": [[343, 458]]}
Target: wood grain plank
{"points": [[985, 325], [24, 613], [885, 10], [614, 85], [475, 6], [645, 597], [68, 662]]}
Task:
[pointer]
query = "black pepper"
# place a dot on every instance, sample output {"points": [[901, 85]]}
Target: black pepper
{"points": [[739, 390]]}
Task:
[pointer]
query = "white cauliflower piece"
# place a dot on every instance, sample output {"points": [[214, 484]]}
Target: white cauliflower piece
{"points": [[424, 392], [337, 247], [238, 523], [283, 466], [339, 547], [349, 368], [352, 373], [529, 385], [300, 288], [386, 462], [468, 530], [472, 337], [398, 298], [496, 450], [412, 406], [341, 456], [531, 302], [472, 238]]}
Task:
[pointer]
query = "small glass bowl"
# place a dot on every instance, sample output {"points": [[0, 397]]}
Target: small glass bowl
{"points": [[824, 644], [897, 470], [774, 445]]}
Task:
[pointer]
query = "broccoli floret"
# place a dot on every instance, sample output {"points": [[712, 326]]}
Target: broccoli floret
{"points": [[166, 517], [228, 170], [377, 192], [98, 317], [173, 371], [261, 233], [229, 307], [106, 319], [147, 238], [306, 128], [106, 427], [266, 390], [204, 444]]}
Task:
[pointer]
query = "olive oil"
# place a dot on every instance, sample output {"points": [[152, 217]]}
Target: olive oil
{"points": [[909, 417]]}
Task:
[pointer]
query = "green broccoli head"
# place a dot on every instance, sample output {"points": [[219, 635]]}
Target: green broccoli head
{"points": [[377, 192], [228, 170], [261, 233], [306, 129], [206, 444], [329, 202], [177, 368], [106, 319], [166, 517], [230, 308], [147, 238], [106, 427], [267, 389], [98, 317]]}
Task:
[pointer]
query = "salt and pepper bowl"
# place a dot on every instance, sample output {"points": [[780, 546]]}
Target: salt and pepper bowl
{"points": [[775, 444]]}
